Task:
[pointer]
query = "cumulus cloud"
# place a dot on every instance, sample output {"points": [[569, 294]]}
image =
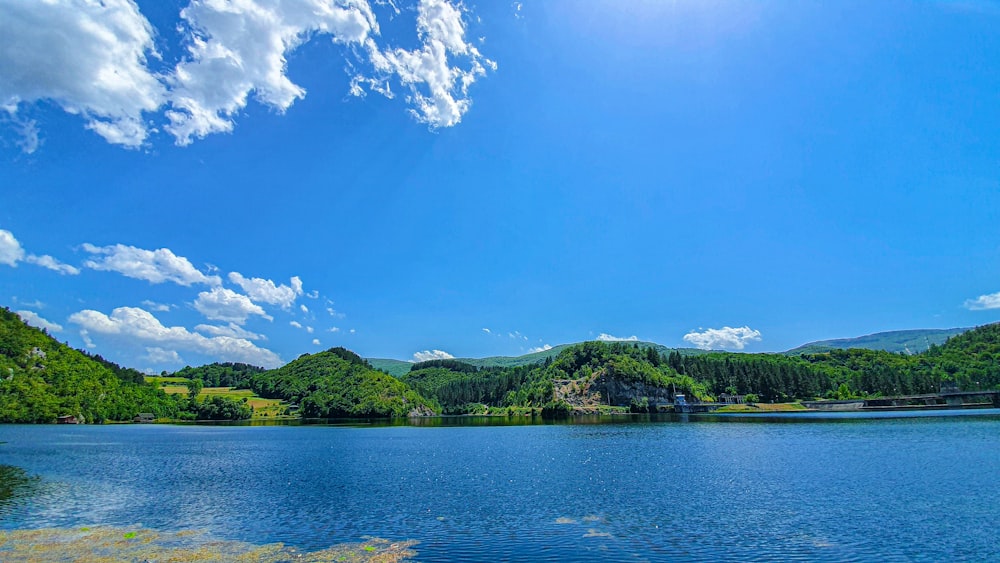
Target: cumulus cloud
{"points": [[438, 74], [295, 324], [605, 337], [316, 342], [93, 58], [222, 304], [428, 355], [36, 321], [726, 338], [154, 266], [984, 302], [232, 329], [88, 57], [11, 253], [10, 249], [542, 348], [141, 327], [266, 291], [240, 47], [487, 331]]}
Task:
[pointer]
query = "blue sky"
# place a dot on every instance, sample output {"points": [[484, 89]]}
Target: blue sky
{"points": [[187, 182]]}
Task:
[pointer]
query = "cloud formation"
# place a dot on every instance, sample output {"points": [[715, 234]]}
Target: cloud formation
{"points": [[726, 338], [542, 348], [141, 327], [428, 355], [89, 58], [240, 47], [438, 89], [232, 329], [155, 266], [11, 253], [92, 59], [36, 321], [984, 302], [221, 304], [605, 337], [266, 291]]}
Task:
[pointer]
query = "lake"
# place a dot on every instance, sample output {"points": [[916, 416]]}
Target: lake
{"points": [[724, 488]]}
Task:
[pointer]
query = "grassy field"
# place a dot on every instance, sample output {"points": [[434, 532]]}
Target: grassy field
{"points": [[262, 408]]}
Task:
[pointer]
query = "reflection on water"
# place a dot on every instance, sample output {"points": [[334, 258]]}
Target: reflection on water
{"points": [[15, 485]]}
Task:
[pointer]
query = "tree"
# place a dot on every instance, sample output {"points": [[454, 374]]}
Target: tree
{"points": [[194, 387]]}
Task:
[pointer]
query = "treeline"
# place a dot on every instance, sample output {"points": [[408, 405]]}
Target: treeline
{"points": [[971, 360], [227, 374]]}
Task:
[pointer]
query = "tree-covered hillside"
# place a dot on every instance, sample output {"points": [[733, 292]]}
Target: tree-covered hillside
{"points": [[228, 374], [42, 379], [339, 383]]}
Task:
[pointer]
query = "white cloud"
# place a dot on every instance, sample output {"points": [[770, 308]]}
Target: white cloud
{"points": [[316, 341], [159, 307], [725, 338], [36, 321], [487, 331], [85, 335], [984, 302], [352, 331], [92, 59], [240, 47], [161, 356], [605, 337], [427, 355], [309, 329], [88, 57], [11, 253], [438, 89], [10, 249], [541, 348], [296, 324], [304, 309], [51, 263], [266, 291], [141, 327], [154, 266], [222, 304], [232, 329], [333, 329]]}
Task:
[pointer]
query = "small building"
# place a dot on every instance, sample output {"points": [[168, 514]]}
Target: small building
{"points": [[67, 419], [144, 418]]}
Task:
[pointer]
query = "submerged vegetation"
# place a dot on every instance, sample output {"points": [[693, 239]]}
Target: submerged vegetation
{"points": [[42, 379], [106, 545]]}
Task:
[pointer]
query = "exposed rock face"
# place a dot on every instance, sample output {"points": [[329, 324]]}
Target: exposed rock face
{"points": [[602, 389]]}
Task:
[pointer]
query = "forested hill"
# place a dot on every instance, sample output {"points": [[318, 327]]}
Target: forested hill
{"points": [[227, 374], [42, 379], [339, 383], [903, 341], [399, 368]]}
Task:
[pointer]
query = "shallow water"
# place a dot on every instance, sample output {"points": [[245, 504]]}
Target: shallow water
{"points": [[726, 488]]}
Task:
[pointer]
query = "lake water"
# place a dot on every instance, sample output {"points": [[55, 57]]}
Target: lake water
{"points": [[831, 488]]}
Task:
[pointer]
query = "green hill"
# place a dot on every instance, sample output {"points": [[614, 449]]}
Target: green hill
{"points": [[339, 383], [42, 379], [398, 368], [898, 341]]}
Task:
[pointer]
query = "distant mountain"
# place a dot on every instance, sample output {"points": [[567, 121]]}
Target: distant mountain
{"points": [[399, 368], [905, 341]]}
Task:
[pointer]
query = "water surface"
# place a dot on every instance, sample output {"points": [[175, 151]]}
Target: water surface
{"points": [[727, 488]]}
